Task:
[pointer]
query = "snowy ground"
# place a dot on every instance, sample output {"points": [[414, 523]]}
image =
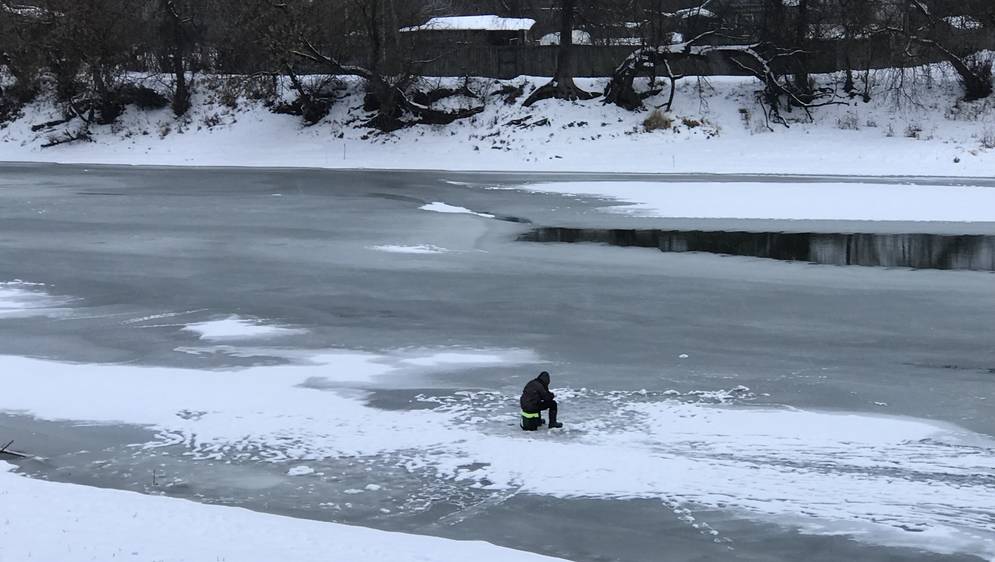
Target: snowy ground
{"points": [[58, 522], [268, 335], [718, 127]]}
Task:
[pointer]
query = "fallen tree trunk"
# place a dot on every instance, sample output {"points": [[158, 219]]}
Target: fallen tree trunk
{"points": [[756, 59], [439, 94], [50, 124], [388, 96], [82, 135], [5, 450]]}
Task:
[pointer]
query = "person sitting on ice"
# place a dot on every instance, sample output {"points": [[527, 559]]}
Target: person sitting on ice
{"points": [[536, 397]]}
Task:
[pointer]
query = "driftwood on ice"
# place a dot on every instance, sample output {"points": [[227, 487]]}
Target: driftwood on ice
{"points": [[6, 451]]}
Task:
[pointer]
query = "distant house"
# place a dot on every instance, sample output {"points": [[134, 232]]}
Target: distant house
{"points": [[579, 38], [741, 15], [473, 30]]}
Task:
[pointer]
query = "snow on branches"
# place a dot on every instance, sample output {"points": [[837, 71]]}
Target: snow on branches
{"points": [[755, 59]]}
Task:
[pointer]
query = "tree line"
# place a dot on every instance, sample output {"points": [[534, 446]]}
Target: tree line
{"points": [[89, 53]]}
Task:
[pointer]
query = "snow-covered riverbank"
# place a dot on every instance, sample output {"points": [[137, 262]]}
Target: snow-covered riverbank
{"points": [[716, 127]]}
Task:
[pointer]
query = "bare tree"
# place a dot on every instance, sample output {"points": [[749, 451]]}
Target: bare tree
{"points": [[758, 59], [175, 45], [562, 86], [390, 70], [850, 23], [93, 44], [935, 25], [22, 30]]}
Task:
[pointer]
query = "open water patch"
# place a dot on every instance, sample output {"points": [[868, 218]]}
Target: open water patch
{"points": [[917, 251]]}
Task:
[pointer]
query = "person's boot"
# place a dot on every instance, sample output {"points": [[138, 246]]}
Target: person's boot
{"points": [[553, 424]]}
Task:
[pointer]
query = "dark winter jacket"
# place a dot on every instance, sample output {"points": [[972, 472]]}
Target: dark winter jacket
{"points": [[536, 392]]}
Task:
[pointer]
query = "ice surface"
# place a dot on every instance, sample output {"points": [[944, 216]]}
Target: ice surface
{"points": [[886, 480], [69, 523], [506, 358], [854, 473], [869, 476]]}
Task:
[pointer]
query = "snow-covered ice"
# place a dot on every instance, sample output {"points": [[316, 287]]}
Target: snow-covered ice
{"points": [[857, 474], [884, 480], [791, 201], [237, 328], [69, 523], [507, 358], [19, 299], [440, 207], [302, 470], [415, 249]]}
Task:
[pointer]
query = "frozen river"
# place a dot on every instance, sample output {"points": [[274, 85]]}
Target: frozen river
{"points": [[349, 346]]}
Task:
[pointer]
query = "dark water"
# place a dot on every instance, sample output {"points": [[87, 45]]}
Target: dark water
{"points": [[919, 251]]}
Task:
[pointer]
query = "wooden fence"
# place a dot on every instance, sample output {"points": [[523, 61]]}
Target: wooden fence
{"points": [[598, 61]]}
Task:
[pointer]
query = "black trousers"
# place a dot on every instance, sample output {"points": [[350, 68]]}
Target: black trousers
{"points": [[532, 424]]}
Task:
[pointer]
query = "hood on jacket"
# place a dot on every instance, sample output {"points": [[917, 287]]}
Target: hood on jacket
{"points": [[543, 378]]}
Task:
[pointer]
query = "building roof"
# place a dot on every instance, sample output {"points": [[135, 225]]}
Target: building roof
{"points": [[695, 13], [33, 12], [474, 23]]}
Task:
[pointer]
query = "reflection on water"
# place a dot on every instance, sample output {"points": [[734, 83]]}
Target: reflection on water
{"points": [[921, 251]]}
